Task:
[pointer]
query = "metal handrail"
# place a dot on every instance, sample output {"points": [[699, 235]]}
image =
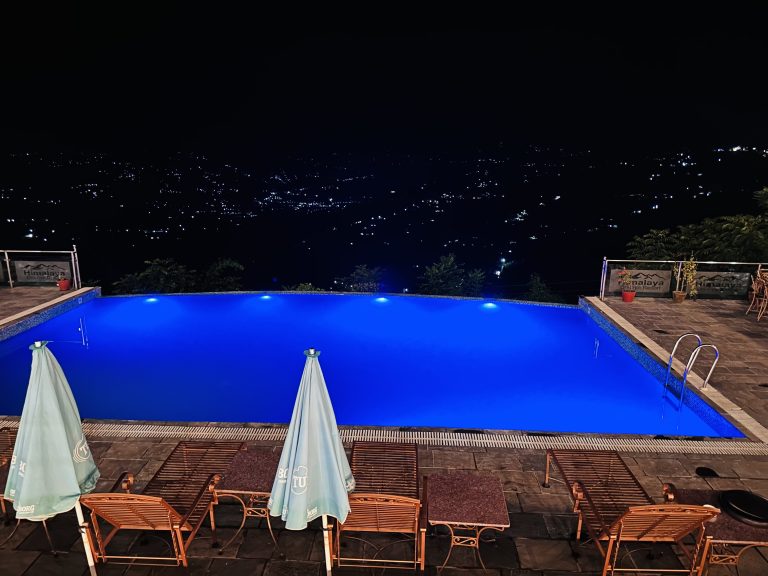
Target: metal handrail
{"points": [[689, 367], [672, 356], [74, 261]]}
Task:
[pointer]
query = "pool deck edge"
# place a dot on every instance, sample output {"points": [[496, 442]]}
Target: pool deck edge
{"points": [[746, 423]]}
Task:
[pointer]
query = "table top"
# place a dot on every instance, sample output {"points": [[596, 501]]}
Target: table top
{"points": [[251, 470], [469, 498]]}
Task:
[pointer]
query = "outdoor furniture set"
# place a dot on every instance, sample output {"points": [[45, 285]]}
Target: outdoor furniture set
{"points": [[612, 506], [615, 509], [759, 291], [177, 499]]}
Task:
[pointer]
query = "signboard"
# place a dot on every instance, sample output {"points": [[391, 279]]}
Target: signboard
{"points": [[39, 272], [723, 284], [645, 281]]}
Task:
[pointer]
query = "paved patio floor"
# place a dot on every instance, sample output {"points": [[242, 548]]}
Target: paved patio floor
{"points": [[540, 540]]}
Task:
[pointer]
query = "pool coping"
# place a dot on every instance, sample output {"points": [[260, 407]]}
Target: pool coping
{"points": [[20, 322], [481, 439], [746, 423]]}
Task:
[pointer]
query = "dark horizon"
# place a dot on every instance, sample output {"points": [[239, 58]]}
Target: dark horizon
{"points": [[177, 81]]}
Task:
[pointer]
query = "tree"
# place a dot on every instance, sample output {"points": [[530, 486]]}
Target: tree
{"points": [[726, 238], [224, 275], [362, 279], [162, 275], [474, 282], [538, 291], [446, 277], [303, 287], [654, 245]]}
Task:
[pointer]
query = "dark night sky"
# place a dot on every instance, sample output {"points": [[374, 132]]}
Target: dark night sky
{"points": [[229, 83]]}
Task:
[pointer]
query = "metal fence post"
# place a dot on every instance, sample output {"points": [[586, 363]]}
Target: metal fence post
{"points": [[602, 278], [8, 268]]}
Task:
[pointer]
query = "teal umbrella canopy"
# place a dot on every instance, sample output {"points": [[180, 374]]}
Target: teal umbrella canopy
{"points": [[51, 464], [313, 477]]}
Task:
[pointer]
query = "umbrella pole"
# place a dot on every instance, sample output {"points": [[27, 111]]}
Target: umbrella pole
{"points": [[50, 542], [86, 541], [327, 545]]}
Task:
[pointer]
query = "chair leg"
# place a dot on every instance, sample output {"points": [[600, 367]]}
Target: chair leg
{"points": [[607, 565], [762, 308], [179, 546], [214, 540]]}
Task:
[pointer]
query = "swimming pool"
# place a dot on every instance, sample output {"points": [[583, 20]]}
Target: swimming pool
{"points": [[388, 361]]}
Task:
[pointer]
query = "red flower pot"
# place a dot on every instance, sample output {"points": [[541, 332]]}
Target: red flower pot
{"points": [[628, 296]]}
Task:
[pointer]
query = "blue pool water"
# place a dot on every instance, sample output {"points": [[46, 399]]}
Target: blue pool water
{"points": [[390, 361]]}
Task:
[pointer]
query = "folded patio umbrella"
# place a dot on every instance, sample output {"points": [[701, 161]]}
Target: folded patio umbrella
{"points": [[313, 476], [51, 464]]}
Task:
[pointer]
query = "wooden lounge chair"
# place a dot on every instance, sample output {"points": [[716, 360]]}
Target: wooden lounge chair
{"points": [[662, 523], [385, 501], [177, 499], [608, 479], [7, 443], [613, 508]]}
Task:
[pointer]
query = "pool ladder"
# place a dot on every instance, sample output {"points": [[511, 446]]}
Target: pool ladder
{"points": [[689, 366]]}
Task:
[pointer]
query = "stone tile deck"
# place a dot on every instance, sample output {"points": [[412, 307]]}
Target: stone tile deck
{"points": [[539, 541], [741, 374]]}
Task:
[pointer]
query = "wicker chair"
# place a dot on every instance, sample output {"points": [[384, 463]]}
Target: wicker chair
{"points": [[176, 500], [385, 501]]}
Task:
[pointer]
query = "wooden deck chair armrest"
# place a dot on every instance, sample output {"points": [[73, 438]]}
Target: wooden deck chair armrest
{"points": [[208, 488], [124, 483]]}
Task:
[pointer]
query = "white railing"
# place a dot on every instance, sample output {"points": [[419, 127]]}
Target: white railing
{"points": [[666, 266], [44, 278]]}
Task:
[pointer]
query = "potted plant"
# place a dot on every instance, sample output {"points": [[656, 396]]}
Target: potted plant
{"points": [[685, 280], [625, 281], [63, 282]]}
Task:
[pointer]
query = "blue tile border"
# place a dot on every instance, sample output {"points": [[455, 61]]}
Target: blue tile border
{"points": [[51, 312], [659, 371]]}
